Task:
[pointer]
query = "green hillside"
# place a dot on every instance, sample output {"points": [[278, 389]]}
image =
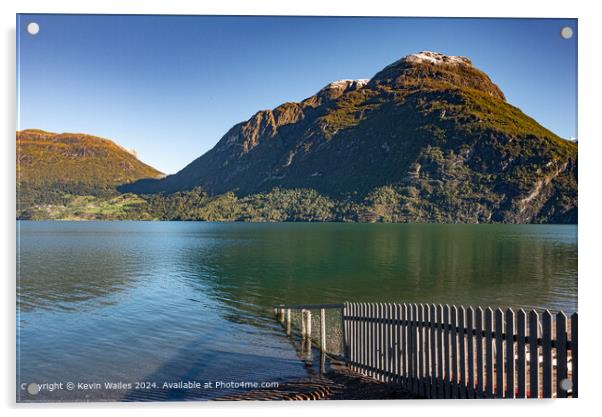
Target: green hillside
{"points": [[52, 167]]}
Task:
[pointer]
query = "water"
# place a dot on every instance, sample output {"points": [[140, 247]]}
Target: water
{"points": [[174, 301]]}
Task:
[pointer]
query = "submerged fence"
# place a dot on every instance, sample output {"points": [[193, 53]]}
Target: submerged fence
{"points": [[311, 319], [440, 351]]}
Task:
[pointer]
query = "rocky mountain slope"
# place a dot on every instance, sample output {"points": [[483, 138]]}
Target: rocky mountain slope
{"points": [[428, 138]]}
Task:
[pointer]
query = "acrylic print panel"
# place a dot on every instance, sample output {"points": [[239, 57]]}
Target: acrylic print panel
{"points": [[251, 208]]}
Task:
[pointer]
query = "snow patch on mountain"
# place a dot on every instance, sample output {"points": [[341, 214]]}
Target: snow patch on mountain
{"points": [[348, 83], [437, 58]]}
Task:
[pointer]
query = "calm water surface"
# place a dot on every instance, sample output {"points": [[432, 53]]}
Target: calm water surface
{"points": [[175, 301]]}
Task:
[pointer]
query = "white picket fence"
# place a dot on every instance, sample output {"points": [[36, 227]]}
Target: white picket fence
{"points": [[456, 352], [439, 351]]}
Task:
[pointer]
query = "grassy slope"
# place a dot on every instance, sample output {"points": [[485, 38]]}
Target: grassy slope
{"points": [[51, 167], [44, 157]]}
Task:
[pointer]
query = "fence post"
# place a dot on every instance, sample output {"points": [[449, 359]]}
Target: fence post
{"points": [[440, 375], [427, 351], [510, 353], [462, 351], [447, 351], [479, 374], [521, 322], [546, 336], [454, 352], [574, 353], [323, 330], [561, 356], [499, 353], [420, 350], [489, 352], [303, 329], [433, 349], [306, 320], [403, 346], [288, 321], [346, 332], [369, 340], [533, 354], [361, 356], [470, 330]]}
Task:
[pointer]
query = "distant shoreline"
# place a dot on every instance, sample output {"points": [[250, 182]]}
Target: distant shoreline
{"points": [[287, 222]]}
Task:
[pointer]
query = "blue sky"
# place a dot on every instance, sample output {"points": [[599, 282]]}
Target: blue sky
{"points": [[171, 86]]}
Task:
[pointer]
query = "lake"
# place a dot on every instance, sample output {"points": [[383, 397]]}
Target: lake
{"points": [[190, 301]]}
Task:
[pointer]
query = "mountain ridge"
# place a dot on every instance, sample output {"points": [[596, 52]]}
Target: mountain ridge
{"points": [[429, 138], [427, 124]]}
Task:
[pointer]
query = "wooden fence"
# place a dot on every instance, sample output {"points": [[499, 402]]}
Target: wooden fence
{"points": [[440, 351], [455, 352]]}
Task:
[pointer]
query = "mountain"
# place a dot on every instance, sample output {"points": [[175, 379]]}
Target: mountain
{"points": [[74, 163], [432, 127]]}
